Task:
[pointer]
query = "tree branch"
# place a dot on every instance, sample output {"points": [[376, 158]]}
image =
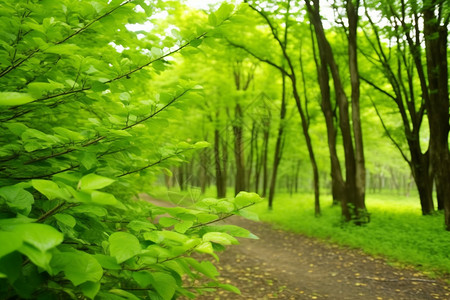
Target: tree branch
{"points": [[258, 57], [15, 66], [378, 88], [389, 134], [154, 163]]}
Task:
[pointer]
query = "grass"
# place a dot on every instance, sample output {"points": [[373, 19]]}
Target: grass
{"points": [[397, 231]]}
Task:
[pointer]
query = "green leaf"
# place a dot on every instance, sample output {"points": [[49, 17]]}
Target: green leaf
{"points": [[94, 182], [201, 144], [123, 246], [39, 258], [173, 236], [17, 198], [143, 278], [248, 215], [244, 199], [212, 19], [37, 89], [69, 134], [16, 128], [66, 219], [183, 226], [219, 238], [106, 199], [196, 42], [13, 98], [205, 247], [90, 289], [11, 265], [224, 11], [50, 189], [90, 209], [107, 262], [205, 267], [125, 294], [229, 287], [78, 266], [139, 226], [164, 284], [205, 218], [9, 242], [88, 160], [167, 222], [224, 206], [63, 49], [41, 236], [231, 230]]}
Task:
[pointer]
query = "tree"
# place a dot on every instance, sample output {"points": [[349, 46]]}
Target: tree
{"points": [[353, 204], [84, 113], [290, 72], [404, 96], [431, 69]]}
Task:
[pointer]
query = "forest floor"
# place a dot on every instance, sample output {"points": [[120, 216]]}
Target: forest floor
{"points": [[285, 265]]}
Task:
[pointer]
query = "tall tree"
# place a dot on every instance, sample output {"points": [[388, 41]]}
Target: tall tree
{"points": [[291, 73], [353, 204], [436, 17], [398, 69], [242, 80]]}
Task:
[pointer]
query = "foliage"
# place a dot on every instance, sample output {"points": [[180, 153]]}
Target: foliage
{"points": [[397, 230], [82, 128]]}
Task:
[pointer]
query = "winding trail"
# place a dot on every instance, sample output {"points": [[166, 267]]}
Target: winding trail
{"points": [[283, 265]]}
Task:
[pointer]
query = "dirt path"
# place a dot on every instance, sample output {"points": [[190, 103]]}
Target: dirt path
{"points": [[282, 265]]}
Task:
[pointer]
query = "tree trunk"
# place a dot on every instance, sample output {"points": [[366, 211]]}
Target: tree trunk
{"points": [[297, 175], [360, 172], [239, 150], [258, 164], [220, 178], [279, 143], [337, 182], [438, 100], [266, 131], [251, 155], [352, 184]]}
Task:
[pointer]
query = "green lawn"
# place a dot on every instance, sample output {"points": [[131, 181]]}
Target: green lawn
{"points": [[397, 231]]}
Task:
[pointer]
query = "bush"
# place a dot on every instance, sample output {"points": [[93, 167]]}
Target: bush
{"points": [[81, 129]]}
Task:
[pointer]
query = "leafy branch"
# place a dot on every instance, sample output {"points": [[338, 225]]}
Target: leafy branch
{"points": [[155, 163], [29, 56], [100, 138], [226, 216]]}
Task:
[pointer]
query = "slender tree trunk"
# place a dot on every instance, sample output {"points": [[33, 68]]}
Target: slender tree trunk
{"points": [[305, 128], [266, 131], [337, 181], [258, 164], [181, 176], [297, 175], [250, 157], [220, 176], [239, 150], [279, 143], [360, 184]]}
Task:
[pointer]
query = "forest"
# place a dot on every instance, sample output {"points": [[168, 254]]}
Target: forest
{"points": [[243, 108]]}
